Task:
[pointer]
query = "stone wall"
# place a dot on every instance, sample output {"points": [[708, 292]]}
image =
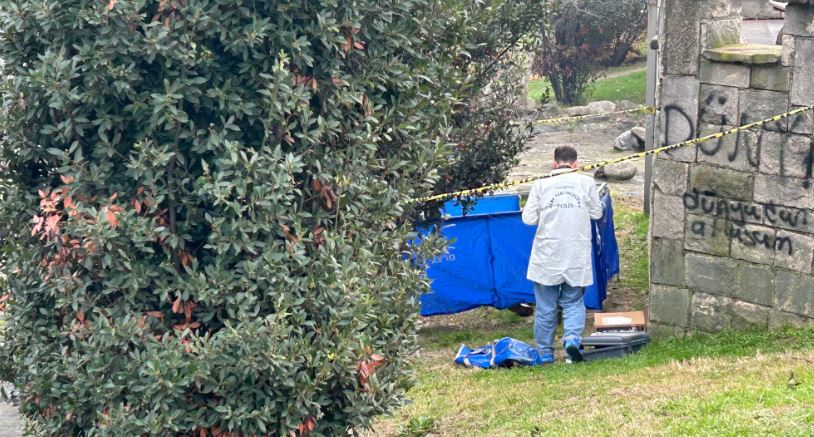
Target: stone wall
{"points": [[732, 225], [759, 10]]}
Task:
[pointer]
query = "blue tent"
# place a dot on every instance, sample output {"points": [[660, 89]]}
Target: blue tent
{"points": [[489, 253]]}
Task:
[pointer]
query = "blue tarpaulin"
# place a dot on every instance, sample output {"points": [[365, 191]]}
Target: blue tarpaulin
{"points": [[489, 254], [506, 352]]}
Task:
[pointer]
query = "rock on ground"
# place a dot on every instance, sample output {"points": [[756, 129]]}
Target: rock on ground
{"points": [[640, 133], [626, 141], [618, 172], [576, 111], [625, 105], [601, 107]]}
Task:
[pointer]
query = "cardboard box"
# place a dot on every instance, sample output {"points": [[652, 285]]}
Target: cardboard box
{"points": [[629, 321]]}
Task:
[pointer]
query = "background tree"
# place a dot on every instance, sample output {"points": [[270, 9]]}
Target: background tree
{"points": [[491, 124], [580, 38]]}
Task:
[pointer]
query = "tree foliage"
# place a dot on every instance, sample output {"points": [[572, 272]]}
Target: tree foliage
{"points": [[491, 125], [580, 38], [206, 202]]}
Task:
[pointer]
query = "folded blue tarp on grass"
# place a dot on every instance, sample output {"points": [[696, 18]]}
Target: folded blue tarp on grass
{"points": [[489, 254], [506, 352]]}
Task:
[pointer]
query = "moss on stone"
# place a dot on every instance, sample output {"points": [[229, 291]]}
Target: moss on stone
{"points": [[745, 54]]}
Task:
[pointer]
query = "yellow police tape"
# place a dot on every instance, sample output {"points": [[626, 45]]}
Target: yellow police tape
{"points": [[643, 109], [589, 167]]}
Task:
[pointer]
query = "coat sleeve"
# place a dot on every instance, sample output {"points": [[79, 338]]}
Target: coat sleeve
{"points": [[531, 212], [595, 208]]}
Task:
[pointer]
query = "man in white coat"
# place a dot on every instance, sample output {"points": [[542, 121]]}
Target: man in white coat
{"points": [[560, 266]]}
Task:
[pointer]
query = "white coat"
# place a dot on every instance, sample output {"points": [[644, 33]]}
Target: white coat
{"points": [[562, 208]]}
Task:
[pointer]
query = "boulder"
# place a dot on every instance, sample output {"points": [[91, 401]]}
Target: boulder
{"points": [[626, 105], [626, 141], [576, 111], [640, 133], [622, 171], [601, 107]]}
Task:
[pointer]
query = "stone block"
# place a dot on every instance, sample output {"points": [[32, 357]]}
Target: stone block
{"points": [[710, 313], [770, 77], [753, 243], [732, 210], [707, 234], [780, 319], [782, 191], [724, 73], [710, 274], [794, 293], [756, 105], [669, 305], [784, 155], [794, 251], [746, 315], [747, 54], [802, 123], [799, 20], [787, 52], [793, 219], [667, 217], [679, 115], [670, 176], [719, 33], [679, 37], [721, 182], [755, 284], [718, 105], [715, 8], [737, 151], [802, 89], [660, 331], [667, 262]]}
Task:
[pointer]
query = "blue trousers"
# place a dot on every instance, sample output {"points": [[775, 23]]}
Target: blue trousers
{"points": [[545, 319]]}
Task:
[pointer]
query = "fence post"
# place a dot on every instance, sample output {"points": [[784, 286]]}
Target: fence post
{"points": [[652, 77]]}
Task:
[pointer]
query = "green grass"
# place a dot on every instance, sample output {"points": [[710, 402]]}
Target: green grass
{"points": [[734, 383], [632, 87], [631, 225]]}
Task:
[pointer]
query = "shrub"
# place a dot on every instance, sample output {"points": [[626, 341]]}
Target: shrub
{"points": [[205, 202], [490, 126], [580, 38]]}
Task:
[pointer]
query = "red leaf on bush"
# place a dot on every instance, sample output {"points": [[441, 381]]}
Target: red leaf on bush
{"points": [[306, 427], [80, 316], [292, 239], [137, 206], [177, 306], [111, 4], [348, 44], [366, 368], [111, 218], [319, 239], [42, 194], [66, 179], [156, 314], [359, 45]]}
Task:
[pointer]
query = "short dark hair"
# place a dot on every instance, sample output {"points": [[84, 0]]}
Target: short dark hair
{"points": [[565, 154]]}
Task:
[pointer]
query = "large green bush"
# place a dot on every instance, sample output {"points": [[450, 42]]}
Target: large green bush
{"points": [[205, 200]]}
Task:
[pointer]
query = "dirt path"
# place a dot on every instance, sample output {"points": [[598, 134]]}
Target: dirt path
{"points": [[10, 423], [593, 141]]}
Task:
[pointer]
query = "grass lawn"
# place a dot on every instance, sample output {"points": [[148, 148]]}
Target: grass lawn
{"points": [[630, 87], [752, 383]]}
